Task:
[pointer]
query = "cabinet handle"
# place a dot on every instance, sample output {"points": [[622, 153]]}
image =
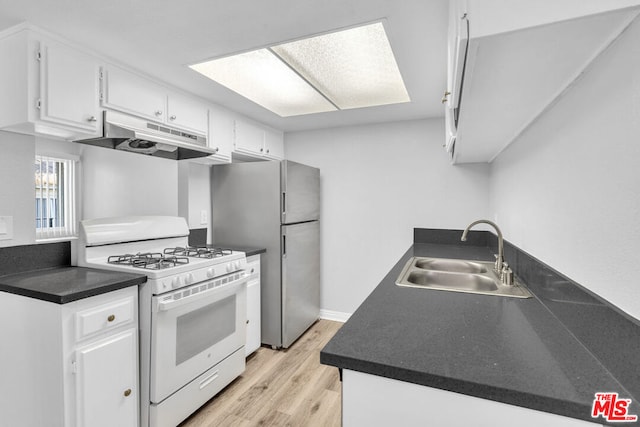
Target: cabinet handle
{"points": [[92, 119], [172, 118], [111, 318], [127, 392], [158, 113], [445, 96]]}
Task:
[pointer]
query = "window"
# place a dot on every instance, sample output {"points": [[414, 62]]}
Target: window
{"points": [[55, 185]]}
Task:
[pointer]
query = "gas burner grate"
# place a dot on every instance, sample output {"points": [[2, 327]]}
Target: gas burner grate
{"points": [[149, 260], [198, 251]]}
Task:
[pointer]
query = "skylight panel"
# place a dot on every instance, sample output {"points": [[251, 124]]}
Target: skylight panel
{"points": [[353, 68], [263, 78]]}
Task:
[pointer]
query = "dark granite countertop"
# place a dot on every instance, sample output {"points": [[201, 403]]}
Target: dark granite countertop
{"points": [[509, 350], [65, 284]]}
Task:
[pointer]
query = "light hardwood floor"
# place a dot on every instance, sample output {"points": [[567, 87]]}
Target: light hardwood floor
{"points": [[280, 388]]}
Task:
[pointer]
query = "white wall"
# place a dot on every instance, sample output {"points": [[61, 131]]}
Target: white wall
{"points": [[568, 190], [195, 194], [120, 183], [377, 183], [17, 186]]}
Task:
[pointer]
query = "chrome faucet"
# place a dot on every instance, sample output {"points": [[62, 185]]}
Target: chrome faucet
{"points": [[501, 268]]}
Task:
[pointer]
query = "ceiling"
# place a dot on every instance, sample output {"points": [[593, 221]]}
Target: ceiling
{"points": [[160, 37]]}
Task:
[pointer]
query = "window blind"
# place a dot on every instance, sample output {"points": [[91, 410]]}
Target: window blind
{"points": [[55, 180]]}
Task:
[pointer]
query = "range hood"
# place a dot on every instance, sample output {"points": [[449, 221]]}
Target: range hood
{"points": [[128, 133]]}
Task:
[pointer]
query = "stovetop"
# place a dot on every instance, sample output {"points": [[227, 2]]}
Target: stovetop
{"points": [[168, 258]]}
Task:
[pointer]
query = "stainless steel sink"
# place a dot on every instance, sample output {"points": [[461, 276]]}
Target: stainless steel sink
{"points": [[466, 281], [452, 265], [458, 276]]}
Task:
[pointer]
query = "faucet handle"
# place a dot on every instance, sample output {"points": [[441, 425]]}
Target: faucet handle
{"points": [[506, 275]]}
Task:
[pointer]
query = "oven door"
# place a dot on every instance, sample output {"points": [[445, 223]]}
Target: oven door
{"points": [[194, 328]]}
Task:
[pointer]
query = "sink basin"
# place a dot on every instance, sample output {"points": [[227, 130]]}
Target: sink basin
{"points": [[452, 265], [470, 282], [458, 275]]}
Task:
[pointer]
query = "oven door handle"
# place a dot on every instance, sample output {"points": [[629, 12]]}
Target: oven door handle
{"points": [[219, 292]]}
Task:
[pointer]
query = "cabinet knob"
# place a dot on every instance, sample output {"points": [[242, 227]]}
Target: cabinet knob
{"points": [[261, 150], [127, 392], [111, 318], [267, 151], [215, 150], [172, 118], [158, 113], [92, 119], [247, 321], [445, 96]]}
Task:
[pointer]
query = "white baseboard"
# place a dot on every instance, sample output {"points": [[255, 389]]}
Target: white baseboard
{"points": [[337, 316]]}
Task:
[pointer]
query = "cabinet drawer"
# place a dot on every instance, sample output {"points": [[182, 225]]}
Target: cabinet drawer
{"points": [[253, 270], [104, 317]]}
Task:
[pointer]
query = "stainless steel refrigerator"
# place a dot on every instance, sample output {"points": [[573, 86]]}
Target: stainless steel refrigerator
{"points": [[275, 205]]}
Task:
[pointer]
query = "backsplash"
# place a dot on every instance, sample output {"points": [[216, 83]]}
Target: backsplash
{"points": [[612, 336], [16, 259]]}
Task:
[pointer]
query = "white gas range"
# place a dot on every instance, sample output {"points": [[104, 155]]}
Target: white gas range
{"points": [[192, 310]]}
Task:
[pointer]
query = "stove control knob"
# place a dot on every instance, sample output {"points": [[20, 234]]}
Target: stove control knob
{"points": [[229, 268], [189, 279], [238, 265], [211, 273], [176, 282]]}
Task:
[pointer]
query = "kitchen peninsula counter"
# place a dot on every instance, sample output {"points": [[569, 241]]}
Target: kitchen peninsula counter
{"points": [[509, 350]]}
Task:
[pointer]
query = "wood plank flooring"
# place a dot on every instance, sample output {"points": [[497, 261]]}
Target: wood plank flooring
{"points": [[280, 388]]}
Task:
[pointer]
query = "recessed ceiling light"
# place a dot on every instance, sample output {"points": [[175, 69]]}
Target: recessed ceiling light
{"points": [[353, 68]]}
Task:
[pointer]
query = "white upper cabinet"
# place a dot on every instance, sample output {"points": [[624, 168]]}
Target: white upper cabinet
{"points": [[68, 87], [249, 138], [48, 87], [221, 133], [257, 141], [130, 93], [514, 61], [274, 144], [187, 113]]}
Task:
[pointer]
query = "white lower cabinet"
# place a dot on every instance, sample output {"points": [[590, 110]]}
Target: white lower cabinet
{"points": [[253, 305], [106, 381], [370, 400], [69, 365]]}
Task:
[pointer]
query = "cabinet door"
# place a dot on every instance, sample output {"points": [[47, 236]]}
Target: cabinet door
{"points": [[249, 138], [274, 144], [253, 317], [457, 55], [186, 113], [132, 94], [69, 87], [221, 132], [106, 383]]}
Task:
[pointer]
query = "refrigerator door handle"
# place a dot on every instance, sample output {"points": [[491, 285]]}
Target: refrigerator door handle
{"points": [[284, 203], [284, 246]]}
